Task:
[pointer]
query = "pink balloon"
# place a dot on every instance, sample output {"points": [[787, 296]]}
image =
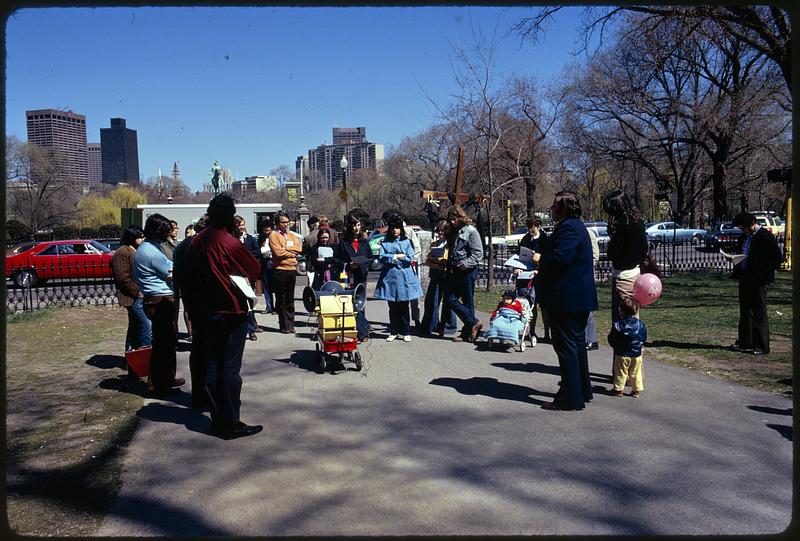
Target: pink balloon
{"points": [[647, 289]]}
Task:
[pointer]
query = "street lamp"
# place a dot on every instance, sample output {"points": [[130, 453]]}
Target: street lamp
{"points": [[343, 195]]}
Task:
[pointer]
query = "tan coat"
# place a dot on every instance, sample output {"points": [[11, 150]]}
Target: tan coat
{"points": [[284, 256], [122, 268]]}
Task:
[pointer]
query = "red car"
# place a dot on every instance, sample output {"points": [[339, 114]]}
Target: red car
{"points": [[33, 264]]}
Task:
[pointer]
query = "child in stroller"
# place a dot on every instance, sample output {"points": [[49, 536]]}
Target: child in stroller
{"points": [[509, 324]]}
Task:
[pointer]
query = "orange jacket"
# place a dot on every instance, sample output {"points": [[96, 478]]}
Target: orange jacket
{"points": [[284, 255]]}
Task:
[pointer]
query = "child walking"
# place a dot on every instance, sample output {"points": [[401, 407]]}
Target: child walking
{"points": [[627, 337]]}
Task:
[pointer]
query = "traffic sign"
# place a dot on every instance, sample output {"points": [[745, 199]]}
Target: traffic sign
{"points": [[343, 194], [663, 207]]}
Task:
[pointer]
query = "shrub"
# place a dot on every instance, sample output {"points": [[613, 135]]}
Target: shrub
{"points": [[109, 231], [18, 231], [65, 232], [87, 233]]}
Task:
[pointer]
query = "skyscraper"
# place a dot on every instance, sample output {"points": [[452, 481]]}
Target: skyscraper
{"points": [[120, 153], [350, 143], [95, 164], [65, 133]]}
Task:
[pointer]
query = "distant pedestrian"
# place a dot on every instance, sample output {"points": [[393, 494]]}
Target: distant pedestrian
{"points": [[251, 243], [397, 284], [153, 273], [285, 246], [627, 247], [628, 336], [129, 294], [434, 296], [266, 266], [169, 244], [308, 242], [591, 328], [533, 240], [323, 260], [565, 287], [216, 255], [183, 280], [754, 273], [324, 223], [465, 254], [354, 254]]}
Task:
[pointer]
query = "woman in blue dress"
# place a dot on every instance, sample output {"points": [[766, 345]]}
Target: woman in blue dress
{"points": [[397, 283]]}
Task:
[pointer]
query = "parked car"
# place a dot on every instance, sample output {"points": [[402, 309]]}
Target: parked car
{"points": [[595, 224], [375, 239], [601, 232], [20, 248], [769, 220], [658, 232], [59, 259], [724, 235]]}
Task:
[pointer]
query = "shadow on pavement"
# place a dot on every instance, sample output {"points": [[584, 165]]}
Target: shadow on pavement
{"points": [[192, 419], [137, 386], [107, 362], [783, 430], [773, 411], [492, 388]]}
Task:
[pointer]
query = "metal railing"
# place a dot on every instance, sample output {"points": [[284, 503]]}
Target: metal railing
{"points": [[32, 286], [694, 256]]}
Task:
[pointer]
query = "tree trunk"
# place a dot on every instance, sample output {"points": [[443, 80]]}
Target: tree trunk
{"points": [[720, 193], [490, 250], [530, 200]]}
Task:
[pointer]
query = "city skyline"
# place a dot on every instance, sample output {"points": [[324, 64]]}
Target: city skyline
{"points": [[267, 88]]}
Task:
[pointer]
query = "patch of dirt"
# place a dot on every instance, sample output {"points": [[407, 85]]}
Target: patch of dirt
{"points": [[70, 412]]}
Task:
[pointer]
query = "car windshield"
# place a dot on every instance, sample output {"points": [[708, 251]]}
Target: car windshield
{"points": [[23, 248], [602, 232], [102, 248]]}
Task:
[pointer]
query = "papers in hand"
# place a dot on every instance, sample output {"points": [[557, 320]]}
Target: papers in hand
{"points": [[243, 284], [437, 252], [526, 254], [525, 275], [515, 263], [325, 251], [736, 258]]}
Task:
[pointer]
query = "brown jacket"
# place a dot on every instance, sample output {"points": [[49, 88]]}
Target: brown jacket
{"points": [[122, 268], [284, 257]]}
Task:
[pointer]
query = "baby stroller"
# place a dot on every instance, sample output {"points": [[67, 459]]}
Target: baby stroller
{"points": [[510, 328]]}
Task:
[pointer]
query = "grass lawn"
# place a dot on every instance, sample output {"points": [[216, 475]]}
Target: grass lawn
{"points": [[695, 320], [70, 412]]}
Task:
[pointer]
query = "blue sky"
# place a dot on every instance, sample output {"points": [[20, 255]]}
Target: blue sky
{"points": [[253, 87]]}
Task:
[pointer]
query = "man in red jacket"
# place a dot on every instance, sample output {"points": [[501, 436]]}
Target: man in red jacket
{"points": [[221, 312]]}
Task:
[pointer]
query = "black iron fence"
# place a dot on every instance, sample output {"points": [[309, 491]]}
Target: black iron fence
{"points": [[33, 284], [693, 256]]}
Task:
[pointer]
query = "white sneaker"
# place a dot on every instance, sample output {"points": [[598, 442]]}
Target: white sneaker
{"points": [[406, 338], [391, 338]]}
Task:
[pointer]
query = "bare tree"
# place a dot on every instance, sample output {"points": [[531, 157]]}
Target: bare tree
{"points": [[37, 192]]}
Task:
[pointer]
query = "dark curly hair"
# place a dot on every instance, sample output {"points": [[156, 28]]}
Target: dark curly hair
{"points": [[394, 222], [619, 206], [221, 211], [130, 235], [568, 203]]}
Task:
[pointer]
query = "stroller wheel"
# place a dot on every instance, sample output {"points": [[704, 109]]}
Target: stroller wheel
{"points": [[533, 340], [357, 359], [522, 344]]}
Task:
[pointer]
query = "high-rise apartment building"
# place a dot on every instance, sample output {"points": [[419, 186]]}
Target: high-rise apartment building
{"points": [[349, 136], [353, 144], [120, 153], [95, 164], [65, 133]]}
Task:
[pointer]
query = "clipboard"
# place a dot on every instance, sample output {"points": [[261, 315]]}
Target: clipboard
{"points": [[735, 258]]}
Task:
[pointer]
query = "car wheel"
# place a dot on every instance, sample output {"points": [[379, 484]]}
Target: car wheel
{"points": [[301, 268], [375, 264], [695, 240], [25, 278]]}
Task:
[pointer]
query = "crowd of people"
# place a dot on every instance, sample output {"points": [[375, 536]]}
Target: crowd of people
{"points": [[205, 271]]}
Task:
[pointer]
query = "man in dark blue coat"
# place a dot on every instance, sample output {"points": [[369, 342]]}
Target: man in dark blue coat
{"points": [[251, 243], [565, 287]]}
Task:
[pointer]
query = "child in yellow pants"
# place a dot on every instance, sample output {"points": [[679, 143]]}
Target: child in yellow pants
{"points": [[627, 337]]}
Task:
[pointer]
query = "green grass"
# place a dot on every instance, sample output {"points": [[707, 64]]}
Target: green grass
{"points": [[693, 322]]}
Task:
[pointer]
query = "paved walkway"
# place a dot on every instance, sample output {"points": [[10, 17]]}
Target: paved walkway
{"points": [[436, 438]]}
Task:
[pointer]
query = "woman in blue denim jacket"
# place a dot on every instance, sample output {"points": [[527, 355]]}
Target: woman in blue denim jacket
{"points": [[397, 283]]}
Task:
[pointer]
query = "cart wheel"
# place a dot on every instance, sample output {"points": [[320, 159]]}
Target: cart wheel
{"points": [[320, 361], [522, 344], [357, 358], [533, 340]]}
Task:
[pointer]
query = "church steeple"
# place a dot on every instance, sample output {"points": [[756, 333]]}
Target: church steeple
{"points": [[176, 175]]}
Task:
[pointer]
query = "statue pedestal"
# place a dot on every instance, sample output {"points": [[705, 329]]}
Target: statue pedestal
{"points": [[305, 214]]}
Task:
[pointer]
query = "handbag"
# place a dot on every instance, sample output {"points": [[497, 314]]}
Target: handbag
{"points": [[139, 360]]}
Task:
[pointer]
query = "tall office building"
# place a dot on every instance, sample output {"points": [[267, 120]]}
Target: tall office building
{"points": [[95, 164], [120, 153], [64, 132], [350, 143]]}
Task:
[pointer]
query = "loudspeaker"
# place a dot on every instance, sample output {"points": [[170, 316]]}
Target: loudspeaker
{"points": [[311, 296]]}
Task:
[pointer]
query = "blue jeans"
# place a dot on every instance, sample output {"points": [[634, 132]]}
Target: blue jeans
{"points": [[433, 297], [140, 331], [459, 296], [265, 276]]}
